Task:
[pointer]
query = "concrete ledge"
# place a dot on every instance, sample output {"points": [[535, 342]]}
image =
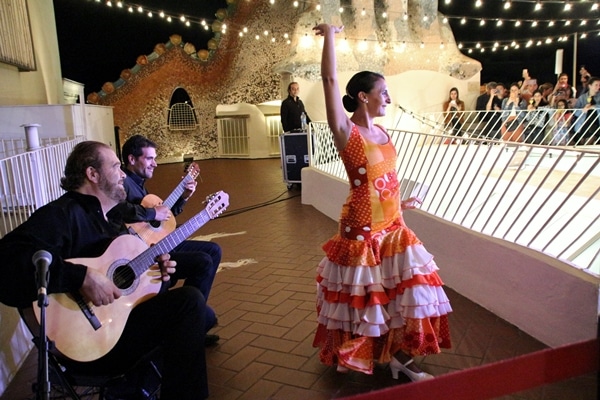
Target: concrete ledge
{"points": [[546, 298]]}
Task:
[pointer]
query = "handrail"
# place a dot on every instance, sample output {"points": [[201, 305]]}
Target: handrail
{"points": [[539, 196], [30, 180], [544, 125]]}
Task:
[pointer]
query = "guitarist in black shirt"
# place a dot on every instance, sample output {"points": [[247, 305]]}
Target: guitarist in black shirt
{"points": [[197, 261]]}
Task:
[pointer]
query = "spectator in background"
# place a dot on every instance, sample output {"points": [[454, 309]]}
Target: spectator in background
{"points": [[292, 109], [482, 99], [488, 103], [587, 124], [454, 108], [536, 119], [546, 89], [528, 86], [585, 77], [512, 115], [562, 90], [561, 124]]}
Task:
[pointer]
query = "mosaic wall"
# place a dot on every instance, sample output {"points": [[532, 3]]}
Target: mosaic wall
{"points": [[238, 69]]}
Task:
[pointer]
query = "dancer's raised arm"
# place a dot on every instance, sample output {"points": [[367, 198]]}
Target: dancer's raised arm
{"points": [[338, 121]]}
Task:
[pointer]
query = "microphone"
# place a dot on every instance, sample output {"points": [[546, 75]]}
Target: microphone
{"points": [[42, 260]]}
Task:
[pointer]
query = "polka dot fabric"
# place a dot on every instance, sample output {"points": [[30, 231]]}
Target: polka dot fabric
{"points": [[378, 288]]}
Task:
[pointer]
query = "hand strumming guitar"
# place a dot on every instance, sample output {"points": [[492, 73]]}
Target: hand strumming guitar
{"points": [[98, 289], [162, 213], [101, 291]]}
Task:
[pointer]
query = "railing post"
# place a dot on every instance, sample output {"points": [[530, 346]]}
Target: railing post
{"points": [[32, 136], [38, 176]]}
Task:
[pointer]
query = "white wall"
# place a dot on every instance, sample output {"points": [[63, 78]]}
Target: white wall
{"points": [[546, 298], [91, 121], [258, 141], [44, 85]]}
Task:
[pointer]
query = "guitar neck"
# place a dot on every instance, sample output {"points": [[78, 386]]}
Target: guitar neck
{"points": [[177, 192], [147, 258]]}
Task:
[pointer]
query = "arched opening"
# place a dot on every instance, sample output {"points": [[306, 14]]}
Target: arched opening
{"points": [[181, 115]]}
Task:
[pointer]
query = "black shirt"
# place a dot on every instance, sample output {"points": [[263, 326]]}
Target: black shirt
{"points": [[72, 226], [481, 105], [290, 114], [130, 210]]}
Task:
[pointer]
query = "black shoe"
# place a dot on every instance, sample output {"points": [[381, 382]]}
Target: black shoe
{"points": [[211, 340]]}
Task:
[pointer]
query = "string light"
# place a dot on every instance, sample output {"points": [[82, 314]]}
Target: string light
{"points": [[464, 46]]}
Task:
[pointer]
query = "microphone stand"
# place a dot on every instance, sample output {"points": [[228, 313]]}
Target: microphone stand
{"points": [[43, 380]]}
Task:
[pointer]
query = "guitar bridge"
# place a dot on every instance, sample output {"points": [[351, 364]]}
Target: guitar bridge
{"points": [[87, 311]]}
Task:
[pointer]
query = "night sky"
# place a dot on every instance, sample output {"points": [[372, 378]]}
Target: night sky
{"points": [[506, 66], [97, 42]]}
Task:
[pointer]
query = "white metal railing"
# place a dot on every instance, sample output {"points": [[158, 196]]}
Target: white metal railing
{"points": [[544, 125], [543, 197], [12, 146], [30, 180]]}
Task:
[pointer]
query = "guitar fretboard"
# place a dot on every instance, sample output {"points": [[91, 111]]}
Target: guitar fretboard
{"points": [[177, 192], [147, 258]]}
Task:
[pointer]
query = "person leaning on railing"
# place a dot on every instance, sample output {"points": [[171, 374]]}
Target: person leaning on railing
{"points": [[561, 126], [487, 104], [512, 115], [587, 124], [454, 108], [536, 119]]}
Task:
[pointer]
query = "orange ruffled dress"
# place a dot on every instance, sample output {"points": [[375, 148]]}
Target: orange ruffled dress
{"points": [[378, 289]]}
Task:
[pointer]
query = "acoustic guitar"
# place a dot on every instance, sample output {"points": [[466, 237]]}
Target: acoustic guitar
{"points": [[153, 231], [83, 332]]}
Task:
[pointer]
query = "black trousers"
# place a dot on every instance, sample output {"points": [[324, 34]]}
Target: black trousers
{"points": [[197, 264], [173, 320]]}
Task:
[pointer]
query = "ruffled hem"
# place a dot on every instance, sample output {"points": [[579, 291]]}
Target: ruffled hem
{"points": [[401, 300], [359, 353]]}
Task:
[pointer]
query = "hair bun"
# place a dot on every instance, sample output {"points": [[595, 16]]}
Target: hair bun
{"points": [[350, 104]]}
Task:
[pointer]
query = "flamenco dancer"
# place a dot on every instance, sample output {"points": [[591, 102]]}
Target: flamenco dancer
{"points": [[379, 297]]}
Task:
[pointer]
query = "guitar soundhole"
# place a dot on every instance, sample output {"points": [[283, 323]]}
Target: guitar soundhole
{"points": [[123, 277], [155, 224]]}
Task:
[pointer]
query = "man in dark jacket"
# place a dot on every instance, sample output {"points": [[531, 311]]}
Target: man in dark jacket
{"points": [[292, 109]]}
